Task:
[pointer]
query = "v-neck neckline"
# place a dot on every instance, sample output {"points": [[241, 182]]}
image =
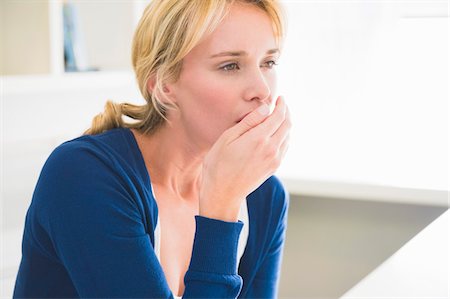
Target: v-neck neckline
{"points": [[242, 243]]}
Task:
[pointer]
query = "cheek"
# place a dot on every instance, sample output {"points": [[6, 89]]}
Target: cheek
{"points": [[271, 79], [273, 83], [210, 95], [215, 104], [208, 105]]}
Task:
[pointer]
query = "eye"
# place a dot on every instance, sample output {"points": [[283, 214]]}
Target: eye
{"points": [[229, 68], [232, 67], [271, 63]]}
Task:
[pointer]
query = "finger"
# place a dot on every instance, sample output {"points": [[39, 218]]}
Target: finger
{"points": [[278, 159], [283, 130], [284, 147], [253, 119], [273, 122]]}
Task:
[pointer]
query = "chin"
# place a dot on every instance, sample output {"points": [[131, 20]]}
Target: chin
{"points": [[211, 136], [217, 134]]}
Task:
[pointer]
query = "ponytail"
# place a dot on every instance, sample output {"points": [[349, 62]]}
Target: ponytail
{"points": [[148, 119]]}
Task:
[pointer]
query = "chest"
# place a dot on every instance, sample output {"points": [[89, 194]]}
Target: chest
{"points": [[174, 237]]}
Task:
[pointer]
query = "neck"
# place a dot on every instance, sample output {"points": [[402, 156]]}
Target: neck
{"points": [[173, 161]]}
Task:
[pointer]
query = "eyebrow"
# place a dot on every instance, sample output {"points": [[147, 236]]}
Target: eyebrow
{"points": [[240, 53]]}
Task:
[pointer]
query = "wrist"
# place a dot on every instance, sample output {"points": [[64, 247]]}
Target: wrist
{"points": [[225, 214]]}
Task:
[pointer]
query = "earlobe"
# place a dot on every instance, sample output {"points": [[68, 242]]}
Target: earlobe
{"points": [[169, 96]]}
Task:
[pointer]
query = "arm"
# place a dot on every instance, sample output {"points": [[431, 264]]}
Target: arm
{"points": [[265, 283], [99, 236]]}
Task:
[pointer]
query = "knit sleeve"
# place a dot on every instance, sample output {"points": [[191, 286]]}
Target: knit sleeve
{"points": [[100, 238], [266, 281]]}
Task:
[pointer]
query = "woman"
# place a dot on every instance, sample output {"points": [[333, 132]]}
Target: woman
{"points": [[182, 202]]}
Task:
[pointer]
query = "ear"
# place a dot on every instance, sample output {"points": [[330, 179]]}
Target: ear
{"points": [[167, 89], [151, 83]]}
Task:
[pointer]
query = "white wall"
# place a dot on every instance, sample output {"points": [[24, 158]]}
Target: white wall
{"points": [[367, 84]]}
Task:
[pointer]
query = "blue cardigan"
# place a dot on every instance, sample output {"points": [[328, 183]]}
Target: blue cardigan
{"points": [[89, 231]]}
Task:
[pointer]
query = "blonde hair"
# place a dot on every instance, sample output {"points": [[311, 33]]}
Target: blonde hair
{"points": [[166, 33]]}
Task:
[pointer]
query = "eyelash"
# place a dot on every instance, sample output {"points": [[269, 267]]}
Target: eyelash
{"points": [[234, 63]]}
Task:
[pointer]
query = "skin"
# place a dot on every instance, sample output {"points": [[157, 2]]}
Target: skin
{"points": [[188, 160]]}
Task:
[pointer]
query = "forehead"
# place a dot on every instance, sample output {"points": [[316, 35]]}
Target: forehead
{"points": [[245, 28]]}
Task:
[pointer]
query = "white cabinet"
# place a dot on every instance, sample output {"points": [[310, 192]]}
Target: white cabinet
{"points": [[33, 34]]}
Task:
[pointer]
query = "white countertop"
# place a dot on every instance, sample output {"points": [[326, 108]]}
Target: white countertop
{"points": [[420, 269]]}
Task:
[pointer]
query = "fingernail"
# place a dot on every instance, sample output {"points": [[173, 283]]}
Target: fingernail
{"points": [[264, 109]]}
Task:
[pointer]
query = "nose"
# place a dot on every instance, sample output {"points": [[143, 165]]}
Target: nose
{"points": [[258, 88]]}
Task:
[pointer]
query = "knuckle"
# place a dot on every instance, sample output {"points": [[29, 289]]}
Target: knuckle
{"points": [[271, 151], [275, 163], [260, 141]]}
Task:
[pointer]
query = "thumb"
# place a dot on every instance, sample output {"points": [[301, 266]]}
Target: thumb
{"points": [[253, 119]]}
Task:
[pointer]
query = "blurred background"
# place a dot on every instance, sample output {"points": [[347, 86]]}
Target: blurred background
{"points": [[367, 169]]}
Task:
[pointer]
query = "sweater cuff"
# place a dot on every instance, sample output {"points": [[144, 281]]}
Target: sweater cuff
{"points": [[215, 245]]}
